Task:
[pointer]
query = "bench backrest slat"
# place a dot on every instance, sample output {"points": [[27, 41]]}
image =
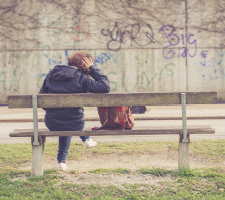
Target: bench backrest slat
{"points": [[110, 99]]}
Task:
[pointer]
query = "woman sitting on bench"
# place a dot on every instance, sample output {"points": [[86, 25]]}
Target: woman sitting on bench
{"points": [[80, 76]]}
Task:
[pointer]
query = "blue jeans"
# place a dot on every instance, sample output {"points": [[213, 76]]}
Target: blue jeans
{"points": [[64, 144]]}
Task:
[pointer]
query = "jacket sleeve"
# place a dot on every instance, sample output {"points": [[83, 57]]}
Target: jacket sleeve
{"points": [[43, 89], [100, 84]]}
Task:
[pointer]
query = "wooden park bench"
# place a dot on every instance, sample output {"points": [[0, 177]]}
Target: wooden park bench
{"points": [[110, 100]]}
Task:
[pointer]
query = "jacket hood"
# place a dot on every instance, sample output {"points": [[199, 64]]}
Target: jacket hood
{"points": [[62, 72]]}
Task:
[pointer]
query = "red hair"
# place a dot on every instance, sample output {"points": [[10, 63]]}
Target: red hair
{"points": [[76, 60]]}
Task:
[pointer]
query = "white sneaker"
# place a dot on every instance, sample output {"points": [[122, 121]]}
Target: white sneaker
{"points": [[62, 166], [90, 143]]}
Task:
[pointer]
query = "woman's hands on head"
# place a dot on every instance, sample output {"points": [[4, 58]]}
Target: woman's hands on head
{"points": [[87, 61]]}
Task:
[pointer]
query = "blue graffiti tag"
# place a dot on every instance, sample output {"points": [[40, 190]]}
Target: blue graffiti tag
{"points": [[66, 55], [52, 62], [215, 64], [103, 58]]}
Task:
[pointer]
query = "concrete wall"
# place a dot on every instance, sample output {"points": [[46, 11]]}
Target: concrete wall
{"points": [[142, 45]]}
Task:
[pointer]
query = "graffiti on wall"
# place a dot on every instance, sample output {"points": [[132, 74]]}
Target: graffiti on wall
{"points": [[214, 66], [103, 58], [51, 64], [134, 31], [168, 70], [53, 57], [174, 40], [76, 28], [14, 83]]}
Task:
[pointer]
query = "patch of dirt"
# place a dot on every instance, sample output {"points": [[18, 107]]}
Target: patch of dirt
{"points": [[157, 159], [118, 180], [91, 161]]}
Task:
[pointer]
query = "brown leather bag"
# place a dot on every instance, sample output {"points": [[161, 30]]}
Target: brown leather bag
{"points": [[116, 118]]}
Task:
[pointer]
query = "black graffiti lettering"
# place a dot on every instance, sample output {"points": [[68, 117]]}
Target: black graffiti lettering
{"points": [[134, 31], [147, 35]]}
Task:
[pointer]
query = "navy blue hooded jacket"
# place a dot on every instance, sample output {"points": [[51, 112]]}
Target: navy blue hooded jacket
{"points": [[66, 79]]}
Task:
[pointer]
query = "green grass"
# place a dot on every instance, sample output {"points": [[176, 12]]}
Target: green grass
{"points": [[209, 148], [115, 171], [14, 155], [131, 147], [156, 171], [204, 183], [198, 184]]}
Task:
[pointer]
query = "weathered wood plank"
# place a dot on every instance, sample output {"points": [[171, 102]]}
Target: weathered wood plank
{"points": [[110, 99], [136, 118], [145, 131]]}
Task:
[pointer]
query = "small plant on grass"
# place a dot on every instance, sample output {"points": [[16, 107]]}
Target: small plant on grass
{"points": [[156, 171], [117, 171]]}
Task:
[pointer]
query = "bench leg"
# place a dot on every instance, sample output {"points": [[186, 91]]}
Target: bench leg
{"points": [[37, 165], [183, 154]]}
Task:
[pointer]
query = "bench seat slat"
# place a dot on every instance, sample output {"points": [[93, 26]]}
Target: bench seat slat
{"points": [[163, 130]]}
